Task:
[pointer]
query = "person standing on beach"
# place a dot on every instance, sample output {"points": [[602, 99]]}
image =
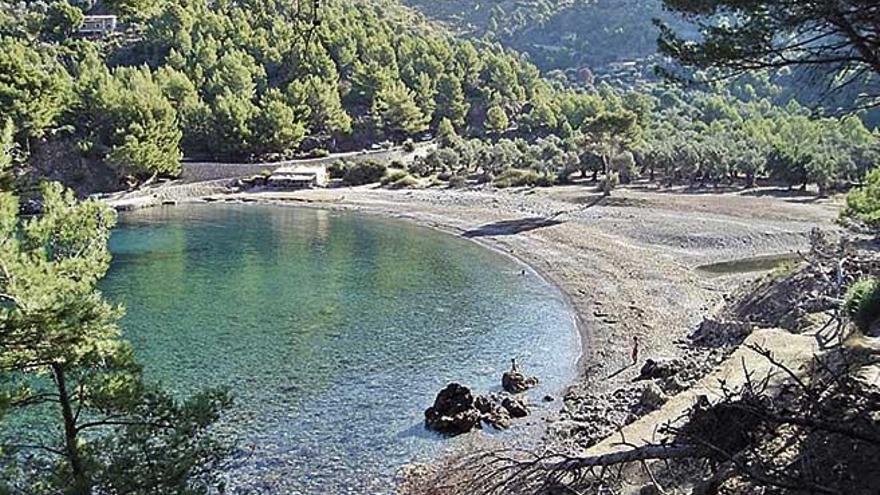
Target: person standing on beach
{"points": [[635, 351]]}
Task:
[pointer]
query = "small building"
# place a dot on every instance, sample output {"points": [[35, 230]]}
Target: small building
{"points": [[298, 177], [97, 25]]}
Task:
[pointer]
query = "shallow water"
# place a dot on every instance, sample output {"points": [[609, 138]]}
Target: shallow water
{"points": [[333, 330]]}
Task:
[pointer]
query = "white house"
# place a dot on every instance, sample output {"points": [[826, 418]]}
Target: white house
{"points": [[298, 177]]}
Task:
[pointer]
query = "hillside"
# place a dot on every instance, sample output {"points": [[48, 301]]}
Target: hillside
{"points": [[562, 35]]}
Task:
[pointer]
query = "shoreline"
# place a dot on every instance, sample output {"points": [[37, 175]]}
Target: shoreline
{"points": [[627, 267]]}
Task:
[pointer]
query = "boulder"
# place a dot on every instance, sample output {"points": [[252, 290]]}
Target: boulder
{"points": [[515, 382], [453, 412], [651, 396], [515, 406], [492, 412], [660, 368]]}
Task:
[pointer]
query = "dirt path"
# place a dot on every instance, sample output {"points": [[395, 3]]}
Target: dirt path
{"points": [[790, 350]]}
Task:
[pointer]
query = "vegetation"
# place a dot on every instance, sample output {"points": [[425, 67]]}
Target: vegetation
{"points": [[863, 303], [837, 39], [364, 172], [696, 139], [558, 35], [104, 430], [863, 204]]}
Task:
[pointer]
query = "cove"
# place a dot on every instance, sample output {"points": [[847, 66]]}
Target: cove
{"points": [[333, 331]]}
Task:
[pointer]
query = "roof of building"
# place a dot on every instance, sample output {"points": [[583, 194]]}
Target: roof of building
{"points": [[301, 170], [292, 177]]}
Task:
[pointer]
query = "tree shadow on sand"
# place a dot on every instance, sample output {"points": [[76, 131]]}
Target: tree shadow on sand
{"points": [[512, 227]]}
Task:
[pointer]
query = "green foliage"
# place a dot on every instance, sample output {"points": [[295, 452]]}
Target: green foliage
{"points": [[34, 87], [62, 20], [862, 303], [7, 145], [364, 172], [336, 170], [127, 120], [496, 120], [399, 113], [863, 203], [521, 178], [557, 34], [737, 36], [64, 361], [446, 135], [400, 180], [392, 177]]}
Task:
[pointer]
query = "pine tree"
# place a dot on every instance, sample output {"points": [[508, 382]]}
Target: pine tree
{"points": [[104, 429], [496, 120], [399, 113]]}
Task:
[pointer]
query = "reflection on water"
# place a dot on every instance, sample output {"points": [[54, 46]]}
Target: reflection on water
{"points": [[333, 330]]}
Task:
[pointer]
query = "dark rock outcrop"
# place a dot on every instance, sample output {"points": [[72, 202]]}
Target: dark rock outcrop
{"points": [[515, 382], [660, 368], [453, 412], [515, 406]]}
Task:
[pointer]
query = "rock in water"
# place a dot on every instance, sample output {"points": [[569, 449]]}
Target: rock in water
{"points": [[515, 406], [492, 412], [515, 382], [453, 412]]}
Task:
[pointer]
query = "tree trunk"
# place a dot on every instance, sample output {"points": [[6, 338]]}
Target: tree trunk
{"points": [[80, 480], [647, 452]]}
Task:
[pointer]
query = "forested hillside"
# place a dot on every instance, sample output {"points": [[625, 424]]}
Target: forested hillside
{"points": [[246, 81], [558, 35], [258, 80]]}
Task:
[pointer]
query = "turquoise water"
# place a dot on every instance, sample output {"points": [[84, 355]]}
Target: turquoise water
{"points": [[333, 331]]}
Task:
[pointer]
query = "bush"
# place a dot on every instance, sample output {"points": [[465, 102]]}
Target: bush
{"points": [[405, 182], [394, 177], [409, 146], [319, 153], [365, 172], [485, 178], [336, 170], [863, 204], [517, 178], [457, 181], [863, 302]]}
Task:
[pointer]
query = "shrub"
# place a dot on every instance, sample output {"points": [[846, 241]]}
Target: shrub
{"points": [[319, 153], [405, 182], [409, 146], [336, 170], [516, 178], [863, 204], [863, 302], [365, 172], [457, 181], [393, 177], [485, 178]]}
